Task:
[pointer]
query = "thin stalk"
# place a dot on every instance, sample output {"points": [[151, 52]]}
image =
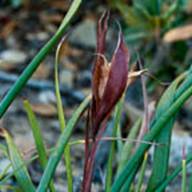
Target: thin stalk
{"points": [[38, 138], [173, 175], [184, 171], [117, 117], [128, 146], [142, 173], [61, 116], [128, 185]]}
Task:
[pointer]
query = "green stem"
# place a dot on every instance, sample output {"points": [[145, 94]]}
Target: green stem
{"points": [[184, 170], [142, 173], [117, 118], [61, 116]]}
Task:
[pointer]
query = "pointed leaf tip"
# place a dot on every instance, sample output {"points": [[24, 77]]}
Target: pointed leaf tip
{"points": [[102, 27], [116, 82]]}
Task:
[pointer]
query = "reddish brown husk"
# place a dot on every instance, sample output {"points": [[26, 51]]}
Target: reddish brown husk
{"points": [[109, 83]]}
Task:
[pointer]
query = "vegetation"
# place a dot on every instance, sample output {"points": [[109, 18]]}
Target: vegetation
{"points": [[148, 25]]}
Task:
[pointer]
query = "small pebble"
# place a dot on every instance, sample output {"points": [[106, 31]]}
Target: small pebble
{"points": [[66, 78], [13, 56]]}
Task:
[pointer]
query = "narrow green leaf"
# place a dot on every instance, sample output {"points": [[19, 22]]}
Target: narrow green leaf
{"points": [[155, 130], [161, 153], [57, 90], [185, 84], [18, 164], [154, 7], [172, 9], [128, 146], [128, 185], [37, 135], [67, 157], [175, 173], [61, 145], [31, 68], [5, 170], [119, 142], [61, 115], [3, 149], [142, 173], [184, 174], [117, 117]]}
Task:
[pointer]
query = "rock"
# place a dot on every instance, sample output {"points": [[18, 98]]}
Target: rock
{"points": [[42, 71], [134, 94], [12, 57], [46, 110], [84, 79], [12, 42], [47, 97], [40, 36], [66, 78], [25, 144], [69, 65], [84, 34]]}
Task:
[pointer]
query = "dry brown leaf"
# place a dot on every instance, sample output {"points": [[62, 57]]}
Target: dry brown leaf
{"points": [[47, 110], [178, 34]]}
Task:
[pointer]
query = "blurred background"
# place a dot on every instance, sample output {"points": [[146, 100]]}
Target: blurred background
{"points": [[160, 31]]}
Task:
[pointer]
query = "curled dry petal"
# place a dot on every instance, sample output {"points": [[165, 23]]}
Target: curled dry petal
{"points": [[116, 83], [100, 59]]}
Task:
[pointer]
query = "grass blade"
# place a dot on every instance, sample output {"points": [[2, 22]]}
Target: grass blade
{"points": [[36, 134], [128, 146], [117, 117], [27, 73], [161, 153], [41, 149], [61, 145], [61, 116], [173, 175], [141, 176], [129, 184], [4, 172], [150, 137], [184, 172], [3, 149], [18, 164], [119, 142]]}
